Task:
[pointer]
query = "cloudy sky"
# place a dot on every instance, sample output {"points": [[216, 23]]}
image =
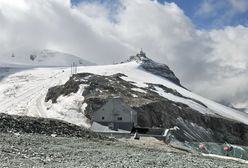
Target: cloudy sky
{"points": [[205, 42]]}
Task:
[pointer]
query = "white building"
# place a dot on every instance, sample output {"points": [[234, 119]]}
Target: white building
{"points": [[115, 114]]}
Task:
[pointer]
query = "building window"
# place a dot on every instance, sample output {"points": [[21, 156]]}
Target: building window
{"points": [[119, 118], [102, 118]]}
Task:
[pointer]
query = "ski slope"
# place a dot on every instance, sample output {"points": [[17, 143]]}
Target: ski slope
{"points": [[23, 93], [43, 58]]}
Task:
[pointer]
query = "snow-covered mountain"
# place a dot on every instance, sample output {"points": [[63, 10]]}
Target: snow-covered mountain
{"points": [[153, 67], [44, 58], [156, 95]]}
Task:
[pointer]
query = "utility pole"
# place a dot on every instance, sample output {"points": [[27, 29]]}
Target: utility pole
{"points": [[73, 68]]}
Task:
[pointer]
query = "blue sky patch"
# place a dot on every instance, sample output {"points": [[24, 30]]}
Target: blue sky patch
{"points": [[205, 14]]}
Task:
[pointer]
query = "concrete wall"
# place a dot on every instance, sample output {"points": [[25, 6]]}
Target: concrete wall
{"points": [[118, 125]]}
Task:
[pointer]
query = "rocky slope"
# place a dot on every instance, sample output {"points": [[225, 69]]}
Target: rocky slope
{"points": [[50, 127], [154, 67], [153, 109], [28, 150]]}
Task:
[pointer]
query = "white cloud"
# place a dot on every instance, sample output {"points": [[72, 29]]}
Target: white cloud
{"points": [[212, 6], [239, 5], [54, 24], [221, 12], [207, 62], [229, 77], [230, 46], [205, 8]]}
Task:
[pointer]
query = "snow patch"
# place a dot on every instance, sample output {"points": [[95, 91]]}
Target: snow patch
{"points": [[139, 90], [225, 157], [69, 108], [134, 95], [190, 103], [170, 129]]}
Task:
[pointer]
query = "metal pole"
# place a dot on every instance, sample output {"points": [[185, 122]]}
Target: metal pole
{"points": [[76, 68], [71, 69]]}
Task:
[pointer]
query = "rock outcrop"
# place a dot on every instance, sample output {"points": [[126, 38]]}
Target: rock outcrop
{"points": [[154, 67], [153, 109]]}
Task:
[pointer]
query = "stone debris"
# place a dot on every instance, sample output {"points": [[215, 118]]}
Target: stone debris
{"points": [[33, 150]]}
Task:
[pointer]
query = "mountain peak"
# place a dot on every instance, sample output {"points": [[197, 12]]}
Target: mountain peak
{"points": [[140, 57], [153, 67]]}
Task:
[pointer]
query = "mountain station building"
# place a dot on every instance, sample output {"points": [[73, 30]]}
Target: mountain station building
{"points": [[116, 115]]}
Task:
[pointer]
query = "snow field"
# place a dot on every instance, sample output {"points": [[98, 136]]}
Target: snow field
{"points": [[23, 93]]}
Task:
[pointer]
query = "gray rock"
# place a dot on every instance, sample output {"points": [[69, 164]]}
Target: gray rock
{"points": [[153, 109], [154, 67]]}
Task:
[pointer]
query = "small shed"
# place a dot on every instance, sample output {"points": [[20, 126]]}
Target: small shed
{"points": [[116, 114]]}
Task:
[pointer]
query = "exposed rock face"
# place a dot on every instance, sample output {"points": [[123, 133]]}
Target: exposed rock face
{"points": [[155, 68], [153, 109], [70, 86]]}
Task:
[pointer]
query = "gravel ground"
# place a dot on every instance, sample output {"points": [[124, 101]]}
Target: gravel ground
{"points": [[32, 150]]}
